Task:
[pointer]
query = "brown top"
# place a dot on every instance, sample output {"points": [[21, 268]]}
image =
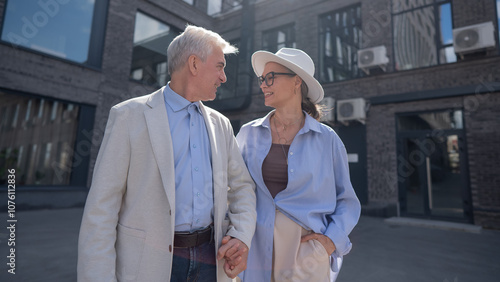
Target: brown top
{"points": [[275, 169]]}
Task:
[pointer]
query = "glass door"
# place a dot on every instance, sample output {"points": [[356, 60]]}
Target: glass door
{"points": [[434, 176], [432, 166]]}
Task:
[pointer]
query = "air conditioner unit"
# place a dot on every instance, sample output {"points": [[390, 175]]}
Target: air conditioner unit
{"points": [[474, 38], [351, 109], [328, 104], [372, 57]]}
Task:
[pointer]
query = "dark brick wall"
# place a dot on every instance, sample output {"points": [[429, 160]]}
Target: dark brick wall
{"points": [[482, 120]]}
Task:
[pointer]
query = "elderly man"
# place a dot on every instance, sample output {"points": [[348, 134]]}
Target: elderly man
{"points": [[171, 198]]}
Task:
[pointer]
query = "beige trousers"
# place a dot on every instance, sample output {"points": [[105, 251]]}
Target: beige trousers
{"points": [[296, 261]]}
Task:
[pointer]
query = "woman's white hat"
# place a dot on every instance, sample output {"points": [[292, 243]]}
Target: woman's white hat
{"points": [[297, 61]]}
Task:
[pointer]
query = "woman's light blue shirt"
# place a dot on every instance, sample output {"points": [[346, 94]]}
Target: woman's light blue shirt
{"points": [[319, 195]]}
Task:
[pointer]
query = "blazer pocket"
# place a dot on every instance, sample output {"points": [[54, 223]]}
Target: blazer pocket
{"points": [[129, 251]]}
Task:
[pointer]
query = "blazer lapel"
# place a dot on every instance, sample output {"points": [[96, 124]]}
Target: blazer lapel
{"points": [[161, 142], [213, 135]]}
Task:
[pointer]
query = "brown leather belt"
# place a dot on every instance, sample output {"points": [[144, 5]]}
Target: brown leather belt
{"points": [[194, 239]]}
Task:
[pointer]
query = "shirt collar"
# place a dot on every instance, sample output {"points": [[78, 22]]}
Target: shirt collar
{"points": [[309, 124], [175, 101]]}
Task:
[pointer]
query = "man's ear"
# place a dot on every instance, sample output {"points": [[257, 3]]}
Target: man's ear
{"points": [[193, 64]]}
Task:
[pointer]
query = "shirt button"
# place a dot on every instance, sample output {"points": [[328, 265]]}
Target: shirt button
{"points": [[197, 220], [291, 170], [198, 194], [194, 145], [196, 168], [291, 153]]}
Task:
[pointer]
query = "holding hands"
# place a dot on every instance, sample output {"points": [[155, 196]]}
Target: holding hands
{"points": [[235, 253]]}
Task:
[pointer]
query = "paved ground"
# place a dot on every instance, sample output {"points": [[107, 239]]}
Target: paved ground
{"points": [[46, 244], [386, 253]]}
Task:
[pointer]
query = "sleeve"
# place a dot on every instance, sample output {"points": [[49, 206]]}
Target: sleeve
{"points": [[348, 208], [241, 194], [96, 245]]}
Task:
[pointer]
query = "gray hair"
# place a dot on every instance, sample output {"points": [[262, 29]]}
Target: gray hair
{"points": [[195, 41]]}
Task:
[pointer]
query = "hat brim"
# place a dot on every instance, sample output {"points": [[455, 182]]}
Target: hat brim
{"points": [[261, 58]]}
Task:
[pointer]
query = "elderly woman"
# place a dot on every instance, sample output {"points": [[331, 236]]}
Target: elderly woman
{"points": [[306, 205]]}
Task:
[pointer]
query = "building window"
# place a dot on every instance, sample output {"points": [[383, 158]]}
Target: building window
{"points": [[72, 30], [215, 7], [436, 120], [42, 140], [149, 57], [498, 18], [422, 32], [228, 89], [277, 38], [340, 39]]}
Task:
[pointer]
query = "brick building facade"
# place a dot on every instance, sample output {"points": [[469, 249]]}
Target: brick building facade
{"points": [[425, 148]]}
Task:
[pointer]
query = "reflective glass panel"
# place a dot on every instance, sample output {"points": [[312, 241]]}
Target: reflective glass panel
{"points": [[58, 28], [447, 52], [149, 57], [498, 16], [432, 169], [409, 167], [444, 179], [422, 34], [414, 39], [214, 7], [449, 119], [277, 38], [340, 34], [404, 5], [229, 89], [37, 139]]}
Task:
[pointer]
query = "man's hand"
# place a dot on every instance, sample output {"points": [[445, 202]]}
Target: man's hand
{"points": [[324, 240], [235, 254]]}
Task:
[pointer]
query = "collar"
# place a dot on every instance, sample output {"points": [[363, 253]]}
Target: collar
{"points": [[177, 102], [309, 124]]}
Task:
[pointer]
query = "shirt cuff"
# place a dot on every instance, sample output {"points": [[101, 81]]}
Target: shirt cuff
{"points": [[339, 238]]}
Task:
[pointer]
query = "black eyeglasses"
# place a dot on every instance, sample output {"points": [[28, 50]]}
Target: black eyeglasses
{"points": [[269, 78]]}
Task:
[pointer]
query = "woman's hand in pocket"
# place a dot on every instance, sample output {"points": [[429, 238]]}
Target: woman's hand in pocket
{"points": [[324, 240]]}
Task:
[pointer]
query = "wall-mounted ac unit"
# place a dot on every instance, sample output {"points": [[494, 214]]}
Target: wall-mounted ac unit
{"points": [[328, 104], [373, 57], [351, 109], [474, 38]]}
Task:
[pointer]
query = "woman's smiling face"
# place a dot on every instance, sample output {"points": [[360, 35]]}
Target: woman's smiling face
{"points": [[282, 88]]}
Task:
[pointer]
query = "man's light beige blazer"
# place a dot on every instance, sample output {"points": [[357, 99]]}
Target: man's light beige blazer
{"points": [[128, 224]]}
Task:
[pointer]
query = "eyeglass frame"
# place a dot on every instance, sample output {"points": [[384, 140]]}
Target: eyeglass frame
{"points": [[273, 74]]}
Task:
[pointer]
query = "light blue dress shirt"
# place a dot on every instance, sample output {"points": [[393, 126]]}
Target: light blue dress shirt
{"points": [[192, 160], [319, 195]]}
